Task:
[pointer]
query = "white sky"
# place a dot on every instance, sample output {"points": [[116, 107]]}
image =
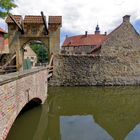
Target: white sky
{"points": [[82, 15]]}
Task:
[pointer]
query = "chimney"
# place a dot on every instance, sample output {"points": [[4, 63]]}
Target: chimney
{"points": [[86, 33], [126, 18]]}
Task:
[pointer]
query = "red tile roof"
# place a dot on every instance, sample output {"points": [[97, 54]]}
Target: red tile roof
{"points": [[2, 31], [17, 18], [83, 40], [33, 19], [55, 19]]}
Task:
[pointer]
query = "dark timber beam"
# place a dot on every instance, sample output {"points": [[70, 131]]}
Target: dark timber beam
{"points": [[20, 26], [45, 24]]}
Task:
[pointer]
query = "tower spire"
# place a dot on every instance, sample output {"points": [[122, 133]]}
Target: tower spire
{"points": [[97, 29]]}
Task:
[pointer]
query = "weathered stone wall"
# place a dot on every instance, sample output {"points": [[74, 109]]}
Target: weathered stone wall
{"points": [[16, 90], [77, 49], [54, 39], [122, 41], [118, 61], [71, 70]]}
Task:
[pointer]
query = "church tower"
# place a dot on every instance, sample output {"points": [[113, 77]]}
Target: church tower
{"points": [[97, 30]]}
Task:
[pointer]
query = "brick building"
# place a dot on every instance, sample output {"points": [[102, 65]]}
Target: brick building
{"points": [[92, 43], [3, 42], [83, 44], [118, 62]]}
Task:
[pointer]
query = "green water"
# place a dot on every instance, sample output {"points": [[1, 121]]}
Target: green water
{"points": [[82, 113]]}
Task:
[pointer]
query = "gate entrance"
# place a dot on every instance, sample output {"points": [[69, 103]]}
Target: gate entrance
{"points": [[23, 30]]}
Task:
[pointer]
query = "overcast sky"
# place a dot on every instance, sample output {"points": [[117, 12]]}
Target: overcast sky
{"points": [[81, 15]]}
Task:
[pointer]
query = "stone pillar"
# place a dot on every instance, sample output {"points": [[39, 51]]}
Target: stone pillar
{"points": [[14, 45], [14, 40], [54, 34], [19, 57]]}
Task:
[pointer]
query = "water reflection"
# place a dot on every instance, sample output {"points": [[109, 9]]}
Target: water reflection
{"points": [[83, 113], [134, 134], [81, 128]]}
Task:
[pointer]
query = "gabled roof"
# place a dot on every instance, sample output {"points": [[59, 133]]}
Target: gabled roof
{"points": [[18, 18], [55, 19], [2, 31], [33, 19], [84, 40]]}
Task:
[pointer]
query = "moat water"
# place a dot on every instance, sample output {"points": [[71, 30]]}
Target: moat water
{"points": [[82, 113]]}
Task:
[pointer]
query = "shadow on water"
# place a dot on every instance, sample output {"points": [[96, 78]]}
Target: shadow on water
{"points": [[33, 103], [82, 113]]}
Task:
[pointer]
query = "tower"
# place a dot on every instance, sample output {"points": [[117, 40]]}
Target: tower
{"points": [[97, 30]]}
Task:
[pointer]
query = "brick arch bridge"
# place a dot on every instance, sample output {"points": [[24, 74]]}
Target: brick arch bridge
{"points": [[18, 89], [32, 27]]}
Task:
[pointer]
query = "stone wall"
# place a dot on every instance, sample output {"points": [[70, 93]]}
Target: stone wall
{"points": [[118, 61], [122, 41], [73, 70], [16, 90], [77, 49]]}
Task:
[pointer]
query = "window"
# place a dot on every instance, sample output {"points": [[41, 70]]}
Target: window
{"points": [[34, 30], [32, 58]]}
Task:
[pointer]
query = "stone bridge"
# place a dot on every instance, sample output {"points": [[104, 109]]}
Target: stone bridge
{"points": [[18, 89]]}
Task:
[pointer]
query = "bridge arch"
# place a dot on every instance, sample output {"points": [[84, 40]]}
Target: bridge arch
{"points": [[21, 88], [26, 41], [36, 101], [35, 120]]}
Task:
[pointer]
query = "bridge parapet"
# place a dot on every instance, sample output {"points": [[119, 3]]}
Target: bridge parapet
{"points": [[16, 90]]}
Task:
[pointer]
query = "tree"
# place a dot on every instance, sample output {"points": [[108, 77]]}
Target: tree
{"points": [[6, 6], [41, 51]]}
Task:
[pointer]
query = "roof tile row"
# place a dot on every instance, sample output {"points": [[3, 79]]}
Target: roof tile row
{"points": [[35, 19], [84, 40]]}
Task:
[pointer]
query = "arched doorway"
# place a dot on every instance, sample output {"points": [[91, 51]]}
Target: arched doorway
{"points": [[35, 53], [33, 27]]}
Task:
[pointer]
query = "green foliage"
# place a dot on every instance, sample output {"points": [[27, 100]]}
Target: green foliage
{"points": [[5, 36], [5, 7], [41, 51]]}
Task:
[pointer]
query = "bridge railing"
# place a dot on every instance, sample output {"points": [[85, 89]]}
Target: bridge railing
{"points": [[16, 75]]}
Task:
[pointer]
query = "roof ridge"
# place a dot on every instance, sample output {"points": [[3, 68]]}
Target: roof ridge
{"points": [[33, 16], [54, 16], [115, 29], [82, 40], [87, 35]]}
